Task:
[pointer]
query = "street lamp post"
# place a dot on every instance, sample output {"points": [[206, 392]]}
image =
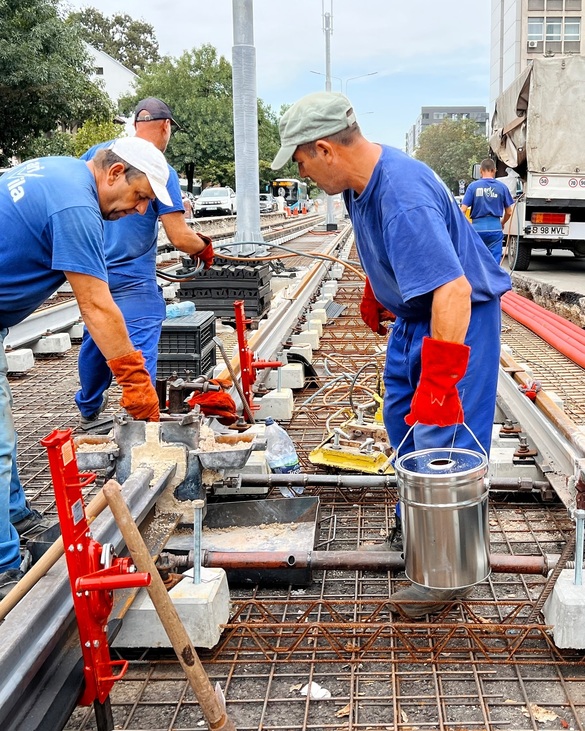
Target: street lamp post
{"points": [[361, 76], [319, 73]]}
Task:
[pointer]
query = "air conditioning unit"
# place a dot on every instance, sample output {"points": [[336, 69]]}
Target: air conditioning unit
{"points": [[532, 44]]}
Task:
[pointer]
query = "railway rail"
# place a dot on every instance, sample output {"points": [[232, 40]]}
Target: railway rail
{"points": [[484, 664]]}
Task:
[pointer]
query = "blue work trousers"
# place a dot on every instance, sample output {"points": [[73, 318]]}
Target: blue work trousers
{"points": [[494, 241], [143, 308], [13, 506], [477, 388]]}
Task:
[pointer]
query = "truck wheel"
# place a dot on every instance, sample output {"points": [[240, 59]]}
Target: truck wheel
{"points": [[518, 255]]}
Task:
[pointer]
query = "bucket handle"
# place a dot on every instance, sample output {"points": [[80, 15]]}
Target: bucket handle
{"points": [[462, 424]]}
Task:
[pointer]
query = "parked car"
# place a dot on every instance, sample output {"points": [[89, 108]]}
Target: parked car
{"points": [[267, 203], [213, 201]]}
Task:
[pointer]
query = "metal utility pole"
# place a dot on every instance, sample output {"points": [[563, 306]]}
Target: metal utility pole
{"points": [[328, 30], [245, 128]]}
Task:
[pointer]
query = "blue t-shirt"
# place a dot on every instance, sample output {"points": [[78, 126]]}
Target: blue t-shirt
{"points": [[130, 242], [487, 198], [412, 238], [50, 223]]}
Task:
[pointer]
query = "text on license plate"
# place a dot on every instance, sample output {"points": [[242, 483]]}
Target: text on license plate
{"points": [[549, 230]]}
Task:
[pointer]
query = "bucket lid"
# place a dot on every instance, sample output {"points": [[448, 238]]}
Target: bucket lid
{"points": [[440, 461]]}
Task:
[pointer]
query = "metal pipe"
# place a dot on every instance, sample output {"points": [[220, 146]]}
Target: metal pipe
{"points": [[315, 480], [356, 561]]}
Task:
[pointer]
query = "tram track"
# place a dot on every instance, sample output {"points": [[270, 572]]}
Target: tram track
{"points": [[382, 671]]}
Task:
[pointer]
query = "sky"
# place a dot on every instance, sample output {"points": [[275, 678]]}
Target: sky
{"points": [[407, 53]]}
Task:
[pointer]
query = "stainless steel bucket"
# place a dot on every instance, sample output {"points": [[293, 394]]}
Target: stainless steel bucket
{"points": [[444, 508]]}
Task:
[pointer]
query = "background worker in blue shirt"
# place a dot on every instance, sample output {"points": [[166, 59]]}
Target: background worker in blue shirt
{"points": [[491, 204], [52, 213], [131, 247], [425, 264]]}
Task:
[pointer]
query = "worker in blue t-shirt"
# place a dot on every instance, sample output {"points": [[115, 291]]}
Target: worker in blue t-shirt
{"points": [[425, 266], [491, 205], [52, 211], [131, 247]]}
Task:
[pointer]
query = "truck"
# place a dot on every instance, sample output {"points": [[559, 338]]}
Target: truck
{"points": [[538, 142]]}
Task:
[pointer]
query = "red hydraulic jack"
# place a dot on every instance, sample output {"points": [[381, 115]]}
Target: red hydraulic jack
{"points": [[94, 572], [248, 366]]}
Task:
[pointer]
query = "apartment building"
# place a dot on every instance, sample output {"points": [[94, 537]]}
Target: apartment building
{"points": [[524, 29], [436, 115]]}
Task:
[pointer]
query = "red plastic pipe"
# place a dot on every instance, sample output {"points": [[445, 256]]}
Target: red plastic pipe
{"points": [[564, 336]]}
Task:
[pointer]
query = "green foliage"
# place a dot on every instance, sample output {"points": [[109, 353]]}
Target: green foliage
{"points": [[198, 88], [92, 132], [131, 42], [49, 144], [44, 75], [451, 148]]}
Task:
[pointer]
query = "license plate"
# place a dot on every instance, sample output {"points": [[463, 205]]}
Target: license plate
{"points": [[211, 208], [552, 231]]}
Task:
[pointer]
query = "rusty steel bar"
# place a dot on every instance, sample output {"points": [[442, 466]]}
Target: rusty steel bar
{"points": [[356, 561]]}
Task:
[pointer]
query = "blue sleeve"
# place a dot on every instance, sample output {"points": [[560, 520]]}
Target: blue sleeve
{"points": [[421, 252], [468, 197], [78, 242], [508, 200]]}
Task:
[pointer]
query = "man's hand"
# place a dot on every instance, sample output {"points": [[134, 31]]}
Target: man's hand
{"points": [[206, 255], [138, 394], [373, 313], [436, 400]]}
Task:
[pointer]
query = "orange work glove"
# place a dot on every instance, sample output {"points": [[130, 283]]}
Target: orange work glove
{"points": [[372, 312], [215, 403], [138, 394], [206, 255], [436, 400]]}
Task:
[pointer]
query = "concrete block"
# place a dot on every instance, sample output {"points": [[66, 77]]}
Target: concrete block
{"points": [[56, 343], [167, 256], [20, 361], [202, 608], [305, 350], [558, 401], [277, 284], [329, 289], [313, 324], [565, 611], [159, 259], [169, 292], [292, 376], [318, 314], [322, 303], [307, 337], [336, 271], [75, 332], [278, 404]]}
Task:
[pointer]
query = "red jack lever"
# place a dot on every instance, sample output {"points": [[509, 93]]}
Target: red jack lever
{"points": [[94, 571], [248, 365]]}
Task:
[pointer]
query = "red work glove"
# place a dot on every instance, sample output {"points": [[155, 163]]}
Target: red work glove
{"points": [[436, 400], [372, 312], [215, 403], [138, 394], [206, 255]]}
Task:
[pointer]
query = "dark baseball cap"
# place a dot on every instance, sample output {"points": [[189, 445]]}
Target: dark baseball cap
{"points": [[152, 108]]}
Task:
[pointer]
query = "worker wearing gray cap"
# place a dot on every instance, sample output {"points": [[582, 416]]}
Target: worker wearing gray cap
{"points": [[425, 266]]}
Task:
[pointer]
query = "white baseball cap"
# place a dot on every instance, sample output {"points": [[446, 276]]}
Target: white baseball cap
{"points": [[147, 158]]}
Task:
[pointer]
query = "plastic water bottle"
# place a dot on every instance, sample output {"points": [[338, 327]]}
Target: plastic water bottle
{"points": [[281, 456], [180, 309]]}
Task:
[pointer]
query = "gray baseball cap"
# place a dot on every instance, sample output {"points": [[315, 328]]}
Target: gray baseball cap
{"points": [[313, 117]]}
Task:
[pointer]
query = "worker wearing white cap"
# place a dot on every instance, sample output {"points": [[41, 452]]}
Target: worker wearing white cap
{"points": [[51, 212]]}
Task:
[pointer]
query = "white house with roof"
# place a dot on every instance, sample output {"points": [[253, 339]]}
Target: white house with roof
{"points": [[117, 79]]}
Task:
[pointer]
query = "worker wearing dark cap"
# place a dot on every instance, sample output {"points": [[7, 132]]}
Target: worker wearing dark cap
{"points": [[131, 246], [53, 211], [425, 264]]}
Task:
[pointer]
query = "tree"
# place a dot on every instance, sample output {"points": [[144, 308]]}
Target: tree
{"points": [[92, 132], [451, 148], [131, 42], [44, 75]]}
